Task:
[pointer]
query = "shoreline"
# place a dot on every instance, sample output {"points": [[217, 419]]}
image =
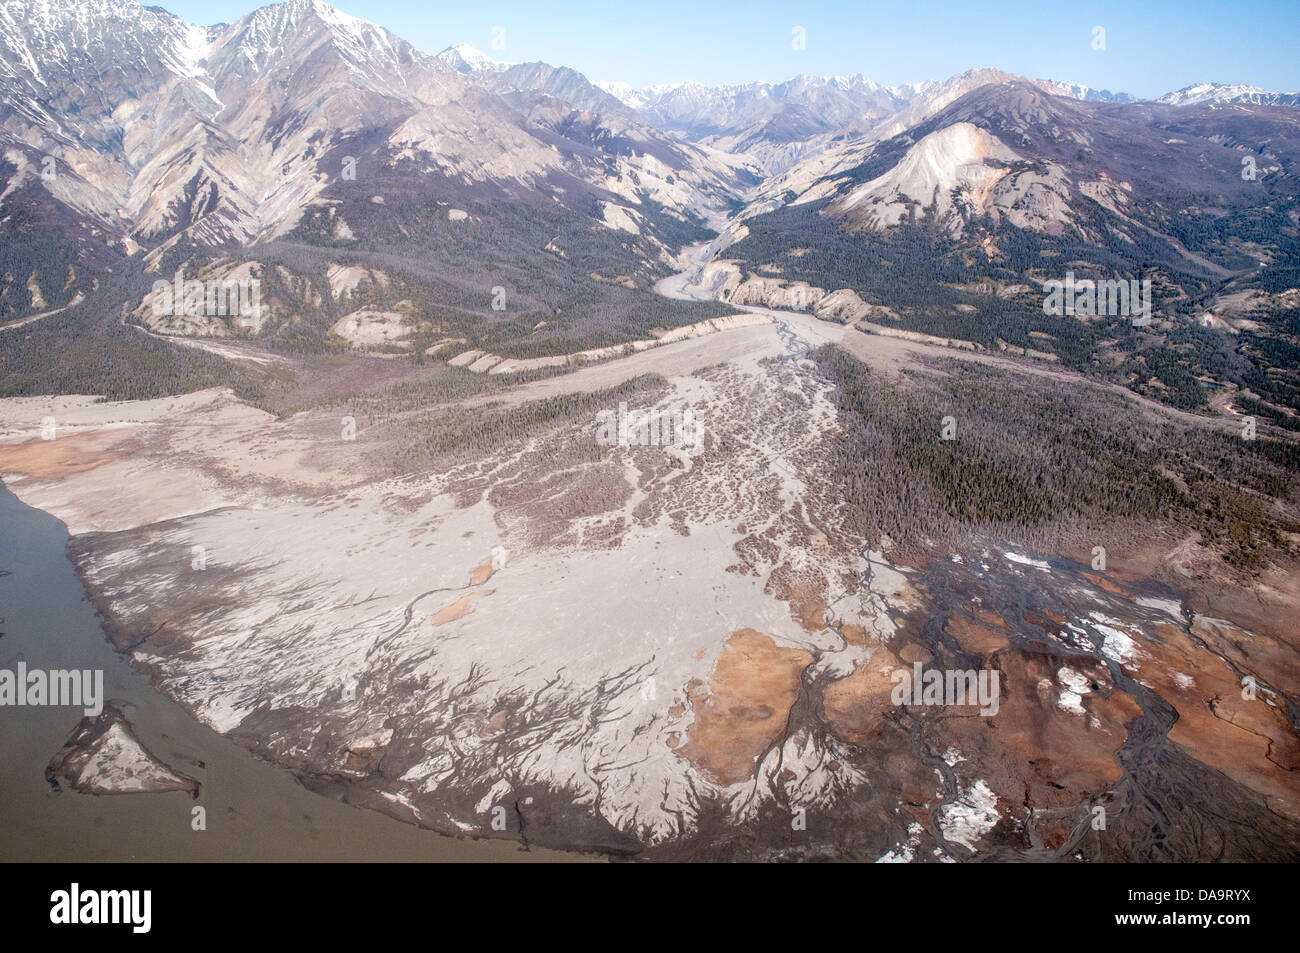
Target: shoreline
{"points": [[341, 789], [273, 813]]}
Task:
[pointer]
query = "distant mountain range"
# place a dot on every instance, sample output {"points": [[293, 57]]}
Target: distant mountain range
{"points": [[773, 121], [674, 98], [299, 140], [697, 109]]}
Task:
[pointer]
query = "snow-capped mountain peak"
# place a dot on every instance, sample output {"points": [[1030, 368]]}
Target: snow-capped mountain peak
{"points": [[464, 58], [269, 33], [1207, 93], [1082, 92], [40, 40], [637, 96]]}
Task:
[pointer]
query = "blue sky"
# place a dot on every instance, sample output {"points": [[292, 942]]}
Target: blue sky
{"points": [[1151, 47]]}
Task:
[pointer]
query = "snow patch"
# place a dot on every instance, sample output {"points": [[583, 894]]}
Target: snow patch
{"points": [[971, 816]]}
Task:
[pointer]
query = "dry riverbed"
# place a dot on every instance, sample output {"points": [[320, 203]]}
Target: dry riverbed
{"points": [[660, 651]]}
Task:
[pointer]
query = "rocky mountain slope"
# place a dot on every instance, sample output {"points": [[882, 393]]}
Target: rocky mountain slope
{"points": [[294, 122], [956, 226]]}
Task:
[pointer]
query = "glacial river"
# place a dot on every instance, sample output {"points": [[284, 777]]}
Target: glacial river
{"points": [[255, 811]]}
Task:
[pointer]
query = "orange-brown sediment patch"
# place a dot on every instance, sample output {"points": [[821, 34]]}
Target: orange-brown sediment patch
{"points": [[911, 652], [857, 705], [812, 615], [978, 636], [460, 608], [1249, 740], [854, 634], [1268, 658], [1034, 753], [858, 708], [61, 458], [743, 710], [1103, 583], [805, 596], [481, 573]]}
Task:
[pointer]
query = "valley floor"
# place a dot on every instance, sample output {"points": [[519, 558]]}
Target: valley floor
{"points": [[669, 651]]}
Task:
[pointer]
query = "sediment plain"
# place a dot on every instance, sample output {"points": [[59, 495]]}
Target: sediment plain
{"points": [[663, 652]]}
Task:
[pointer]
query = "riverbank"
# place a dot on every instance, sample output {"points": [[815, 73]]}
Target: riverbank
{"points": [[255, 811]]}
